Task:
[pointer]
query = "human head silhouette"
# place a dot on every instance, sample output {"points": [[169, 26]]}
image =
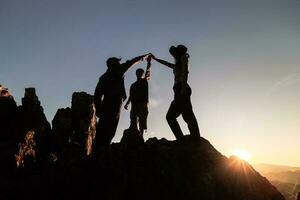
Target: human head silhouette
{"points": [[139, 73], [113, 63], [178, 51]]}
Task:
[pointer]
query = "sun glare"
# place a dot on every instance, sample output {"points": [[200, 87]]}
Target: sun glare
{"points": [[242, 154]]}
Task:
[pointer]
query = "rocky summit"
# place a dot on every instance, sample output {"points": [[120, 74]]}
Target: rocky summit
{"points": [[40, 162]]}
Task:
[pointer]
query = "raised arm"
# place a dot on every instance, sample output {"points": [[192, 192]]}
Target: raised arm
{"points": [[130, 63], [147, 74], [163, 62]]}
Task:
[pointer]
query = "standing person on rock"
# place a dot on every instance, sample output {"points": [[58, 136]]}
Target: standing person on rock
{"points": [[109, 96], [181, 105], [139, 98]]}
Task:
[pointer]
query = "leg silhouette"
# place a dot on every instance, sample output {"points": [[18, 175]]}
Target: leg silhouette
{"points": [[133, 117], [174, 112], [189, 117], [108, 122]]}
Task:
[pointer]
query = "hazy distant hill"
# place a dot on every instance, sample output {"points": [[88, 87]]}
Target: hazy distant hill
{"points": [[289, 190], [285, 178], [266, 168]]}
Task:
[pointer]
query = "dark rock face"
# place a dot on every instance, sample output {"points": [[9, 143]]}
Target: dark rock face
{"points": [[26, 155], [74, 129], [83, 120], [8, 130], [61, 130], [8, 108], [161, 169], [31, 117], [157, 169], [298, 196], [132, 169]]}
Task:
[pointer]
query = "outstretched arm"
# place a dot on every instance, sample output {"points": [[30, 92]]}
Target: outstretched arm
{"points": [[131, 62], [163, 62]]}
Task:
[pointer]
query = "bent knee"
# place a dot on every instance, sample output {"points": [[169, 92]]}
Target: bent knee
{"points": [[170, 117], [190, 119]]}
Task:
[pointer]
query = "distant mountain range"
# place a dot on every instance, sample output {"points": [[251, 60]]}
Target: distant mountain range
{"points": [[285, 178], [266, 168]]}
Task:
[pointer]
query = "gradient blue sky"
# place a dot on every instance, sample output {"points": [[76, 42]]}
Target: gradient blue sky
{"points": [[245, 62]]}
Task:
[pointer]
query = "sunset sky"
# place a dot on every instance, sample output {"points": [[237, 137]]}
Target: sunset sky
{"points": [[244, 66]]}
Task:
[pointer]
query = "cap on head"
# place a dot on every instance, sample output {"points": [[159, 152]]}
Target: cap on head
{"points": [[181, 49], [113, 61], [178, 51]]}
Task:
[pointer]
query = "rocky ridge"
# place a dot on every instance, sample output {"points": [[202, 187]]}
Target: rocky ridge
{"points": [[40, 162]]}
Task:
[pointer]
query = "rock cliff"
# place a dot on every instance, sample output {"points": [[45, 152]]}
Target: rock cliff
{"points": [[62, 164]]}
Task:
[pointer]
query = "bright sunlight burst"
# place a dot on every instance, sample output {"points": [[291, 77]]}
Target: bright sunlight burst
{"points": [[242, 154]]}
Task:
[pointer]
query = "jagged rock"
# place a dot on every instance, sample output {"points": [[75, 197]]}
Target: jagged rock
{"points": [[8, 131], [74, 129], [83, 120], [157, 169], [163, 169], [160, 169], [61, 130], [26, 155], [31, 117], [131, 139], [8, 110]]}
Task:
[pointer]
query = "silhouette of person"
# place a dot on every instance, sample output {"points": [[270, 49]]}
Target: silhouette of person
{"points": [[181, 105], [109, 96], [139, 97]]}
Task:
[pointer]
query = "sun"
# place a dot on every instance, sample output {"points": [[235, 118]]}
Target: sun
{"points": [[243, 154]]}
